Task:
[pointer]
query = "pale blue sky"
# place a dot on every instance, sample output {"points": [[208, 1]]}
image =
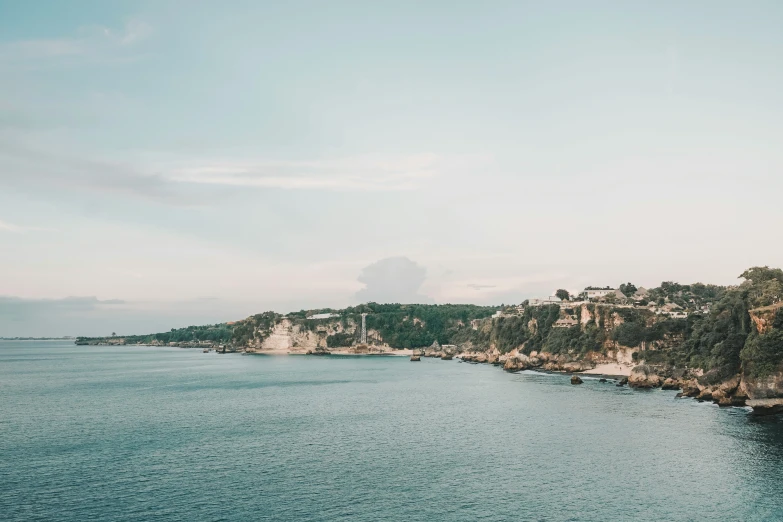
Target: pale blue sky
{"points": [[261, 155]]}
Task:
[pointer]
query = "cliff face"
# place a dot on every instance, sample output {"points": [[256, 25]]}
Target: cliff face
{"points": [[716, 343], [766, 318], [285, 335], [730, 355], [765, 391], [571, 339]]}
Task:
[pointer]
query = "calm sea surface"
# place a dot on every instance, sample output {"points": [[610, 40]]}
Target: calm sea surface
{"points": [[99, 433]]}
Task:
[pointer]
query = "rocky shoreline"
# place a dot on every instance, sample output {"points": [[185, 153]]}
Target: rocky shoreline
{"points": [[735, 391], [731, 392]]}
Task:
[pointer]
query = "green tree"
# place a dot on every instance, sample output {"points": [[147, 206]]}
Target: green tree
{"points": [[628, 289], [763, 284], [563, 295]]}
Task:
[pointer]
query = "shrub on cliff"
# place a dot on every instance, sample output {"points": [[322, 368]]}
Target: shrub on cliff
{"points": [[562, 340], [629, 334], [338, 340], [762, 354], [415, 325], [763, 285], [509, 332]]}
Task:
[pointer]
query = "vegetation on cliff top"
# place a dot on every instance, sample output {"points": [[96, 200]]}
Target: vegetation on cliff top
{"points": [[725, 340], [214, 333], [721, 340]]}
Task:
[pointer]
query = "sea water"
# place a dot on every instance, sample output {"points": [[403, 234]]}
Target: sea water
{"points": [[142, 433]]}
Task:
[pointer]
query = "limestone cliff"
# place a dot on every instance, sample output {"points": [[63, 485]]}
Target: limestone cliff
{"points": [[764, 389], [285, 335]]}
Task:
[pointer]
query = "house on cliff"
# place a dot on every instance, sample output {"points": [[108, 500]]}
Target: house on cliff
{"points": [[598, 293], [543, 302], [568, 322], [620, 298], [322, 316], [640, 295]]}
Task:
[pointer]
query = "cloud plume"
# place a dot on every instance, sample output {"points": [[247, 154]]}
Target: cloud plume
{"points": [[393, 280]]}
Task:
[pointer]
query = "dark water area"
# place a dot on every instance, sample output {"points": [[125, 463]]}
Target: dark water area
{"points": [[135, 433]]}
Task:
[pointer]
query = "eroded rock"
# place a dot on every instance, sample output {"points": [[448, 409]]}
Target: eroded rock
{"points": [[670, 384], [514, 364], [643, 377]]}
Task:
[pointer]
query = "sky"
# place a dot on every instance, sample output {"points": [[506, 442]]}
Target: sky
{"points": [[165, 163]]}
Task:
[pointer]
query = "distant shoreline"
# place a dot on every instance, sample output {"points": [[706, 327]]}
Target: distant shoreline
{"points": [[37, 338]]}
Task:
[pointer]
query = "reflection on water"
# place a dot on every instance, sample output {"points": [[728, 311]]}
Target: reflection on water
{"points": [[168, 434]]}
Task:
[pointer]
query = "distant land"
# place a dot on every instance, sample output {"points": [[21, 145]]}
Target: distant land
{"points": [[715, 343], [64, 338]]}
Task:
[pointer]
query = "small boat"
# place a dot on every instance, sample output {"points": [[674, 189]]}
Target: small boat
{"points": [[205, 350]]}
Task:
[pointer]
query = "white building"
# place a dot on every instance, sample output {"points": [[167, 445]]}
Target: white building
{"points": [[322, 316], [598, 293]]}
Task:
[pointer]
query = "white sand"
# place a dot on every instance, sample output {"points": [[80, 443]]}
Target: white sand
{"points": [[334, 351], [610, 369], [375, 351]]}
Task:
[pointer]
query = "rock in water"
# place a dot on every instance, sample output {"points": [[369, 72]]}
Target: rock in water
{"points": [[670, 384], [446, 357], [690, 389], [576, 380], [601, 380], [623, 381], [644, 377], [766, 406], [415, 358], [514, 364]]}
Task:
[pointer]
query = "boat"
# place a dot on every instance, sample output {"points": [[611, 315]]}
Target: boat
{"points": [[205, 350]]}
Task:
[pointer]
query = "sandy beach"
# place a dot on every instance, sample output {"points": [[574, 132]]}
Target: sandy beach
{"points": [[610, 369], [333, 351]]}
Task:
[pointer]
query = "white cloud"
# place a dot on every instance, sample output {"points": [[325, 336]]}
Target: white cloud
{"points": [[18, 229], [9, 227], [31, 49], [353, 173], [362, 173], [23, 161], [134, 31], [90, 44]]}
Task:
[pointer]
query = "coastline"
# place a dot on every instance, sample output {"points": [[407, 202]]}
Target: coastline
{"points": [[610, 370], [732, 392]]}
